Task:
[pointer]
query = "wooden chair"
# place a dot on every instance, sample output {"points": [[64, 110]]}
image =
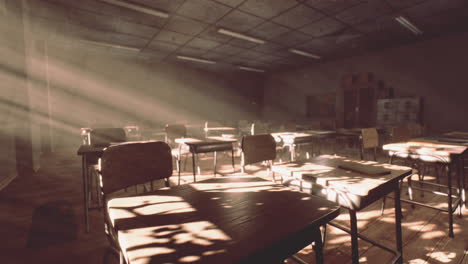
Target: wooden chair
{"points": [[106, 136], [174, 132], [258, 148], [127, 165], [101, 137], [369, 140]]}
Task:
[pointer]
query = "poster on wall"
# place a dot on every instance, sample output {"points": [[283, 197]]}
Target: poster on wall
{"points": [[321, 105]]}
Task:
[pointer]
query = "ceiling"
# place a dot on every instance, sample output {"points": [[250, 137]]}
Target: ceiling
{"points": [[330, 28]]}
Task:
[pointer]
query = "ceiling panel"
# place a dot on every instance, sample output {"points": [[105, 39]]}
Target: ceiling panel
{"points": [[434, 7], [332, 6], [85, 33], [268, 47], [162, 46], [250, 54], [127, 40], [141, 18], [212, 34], [89, 5], [232, 3], [211, 55], [361, 12], [228, 49], [267, 30], [138, 30], [399, 4], [323, 27], [329, 28], [242, 43], [292, 38], [204, 10], [267, 8], [185, 25], [268, 58], [94, 20], [172, 37], [162, 5], [239, 21], [383, 23], [298, 16], [190, 51], [202, 43]]}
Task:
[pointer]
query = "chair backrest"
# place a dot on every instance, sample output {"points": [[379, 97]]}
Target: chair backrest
{"points": [[175, 131], [134, 163], [258, 148], [105, 136], [400, 133], [370, 138]]}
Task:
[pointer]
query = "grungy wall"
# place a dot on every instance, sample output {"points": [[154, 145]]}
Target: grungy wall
{"points": [[434, 69]]}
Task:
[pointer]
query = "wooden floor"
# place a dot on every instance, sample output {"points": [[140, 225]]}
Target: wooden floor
{"points": [[42, 222]]}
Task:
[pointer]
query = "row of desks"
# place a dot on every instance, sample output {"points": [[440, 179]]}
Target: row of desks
{"points": [[249, 204]]}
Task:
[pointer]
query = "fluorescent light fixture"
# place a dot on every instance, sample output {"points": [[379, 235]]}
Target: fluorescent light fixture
{"points": [[306, 54], [251, 69], [103, 44], [407, 24], [195, 59], [240, 36], [138, 8]]}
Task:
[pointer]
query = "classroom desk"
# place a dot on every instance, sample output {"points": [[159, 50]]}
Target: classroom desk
{"points": [[220, 220], [353, 189], [218, 129], [87, 152], [210, 144], [441, 150]]}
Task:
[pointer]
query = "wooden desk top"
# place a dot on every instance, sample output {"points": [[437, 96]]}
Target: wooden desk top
{"points": [[88, 149], [428, 146], [220, 128], [220, 220], [457, 134], [325, 170]]}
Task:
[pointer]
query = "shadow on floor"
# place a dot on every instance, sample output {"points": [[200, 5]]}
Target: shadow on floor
{"points": [[52, 223]]}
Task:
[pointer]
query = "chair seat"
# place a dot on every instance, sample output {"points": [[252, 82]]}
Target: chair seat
{"points": [[178, 152]]}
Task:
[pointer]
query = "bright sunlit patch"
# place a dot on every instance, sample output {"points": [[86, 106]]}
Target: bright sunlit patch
{"points": [[213, 252], [200, 233], [189, 259], [443, 256]]}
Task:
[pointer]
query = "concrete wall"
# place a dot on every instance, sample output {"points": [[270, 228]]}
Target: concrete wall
{"points": [[434, 69], [93, 86]]}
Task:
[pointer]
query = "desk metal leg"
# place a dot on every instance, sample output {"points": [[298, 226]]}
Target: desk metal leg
{"points": [[232, 159], [318, 247], [292, 150], [463, 193], [193, 166], [354, 237], [460, 186], [450, 211], [398, 216], [214, 161], [84, 174]]}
